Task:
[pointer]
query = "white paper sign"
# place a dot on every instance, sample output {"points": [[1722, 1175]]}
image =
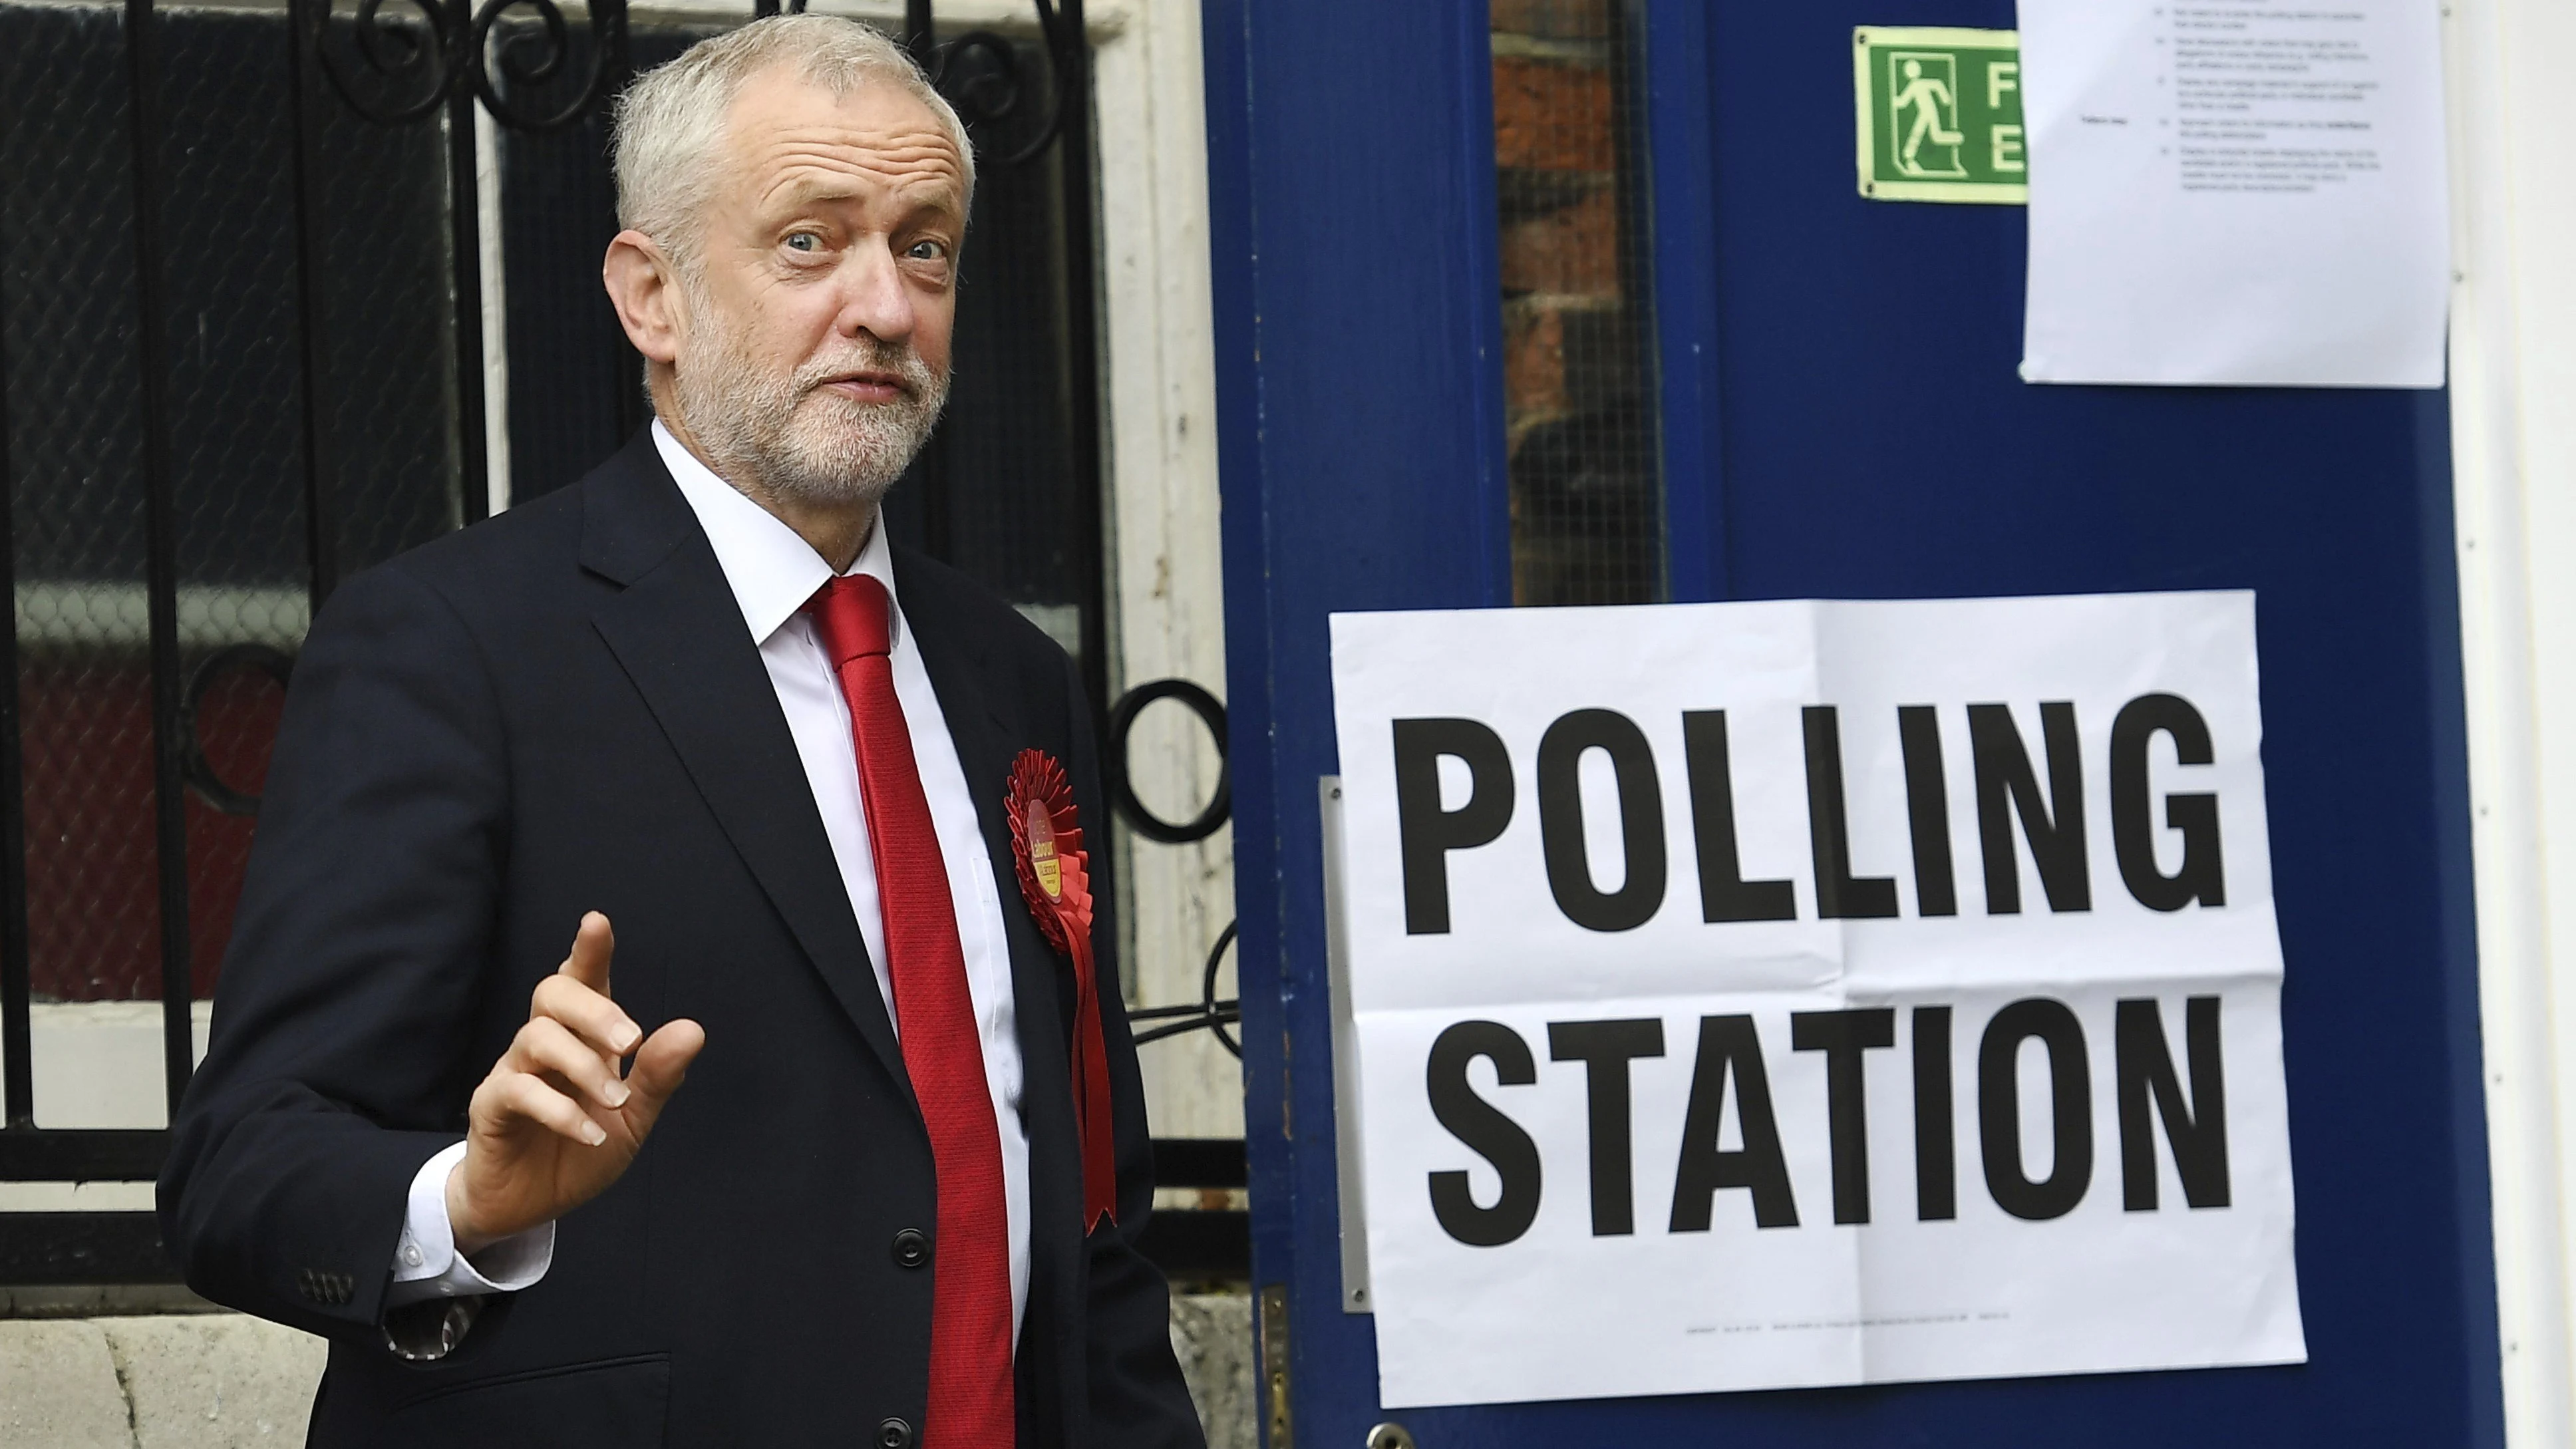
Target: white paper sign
{"points": [[1777, 994], [2236, 192]]}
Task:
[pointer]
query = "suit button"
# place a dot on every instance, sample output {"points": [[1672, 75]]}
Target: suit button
{"points": [[894, 1434], [911, 1250]]}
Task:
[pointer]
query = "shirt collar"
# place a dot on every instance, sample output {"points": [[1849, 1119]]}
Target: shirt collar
{"points": [[772, 570]]}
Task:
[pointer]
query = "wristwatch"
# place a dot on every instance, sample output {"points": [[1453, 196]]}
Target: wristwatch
{"points": [[429, 1330]]}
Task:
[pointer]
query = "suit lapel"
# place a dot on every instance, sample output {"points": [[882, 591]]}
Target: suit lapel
{"points": [[678, 632]]}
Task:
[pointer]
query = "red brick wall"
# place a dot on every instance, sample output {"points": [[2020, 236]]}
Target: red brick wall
{"points": [[1585, 515]]}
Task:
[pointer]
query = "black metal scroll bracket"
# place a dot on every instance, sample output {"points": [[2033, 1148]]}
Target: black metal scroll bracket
{"points": [[459, 56], [193, 764], [1209, 1014], [991, 92], [393, 53], [526, 60], [1122, 794]]}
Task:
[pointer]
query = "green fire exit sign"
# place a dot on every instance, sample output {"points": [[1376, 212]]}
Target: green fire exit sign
{"points": [[1939, 114]]}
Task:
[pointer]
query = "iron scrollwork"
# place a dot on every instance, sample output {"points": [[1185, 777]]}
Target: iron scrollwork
{"points": [[408, 75], [1209, 1014], [194, 767], [979, 73], [531, 60], [410, 78], [1122, 793]]}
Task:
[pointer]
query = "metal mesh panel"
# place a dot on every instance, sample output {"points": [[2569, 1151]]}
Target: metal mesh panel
{"points": [[76, 502], [575, 389], [390, 391], [77, 495], [237, 479], [1587, 498]]}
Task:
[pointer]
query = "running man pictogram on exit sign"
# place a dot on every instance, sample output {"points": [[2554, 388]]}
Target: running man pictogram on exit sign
{"points": [[1939, 114]]}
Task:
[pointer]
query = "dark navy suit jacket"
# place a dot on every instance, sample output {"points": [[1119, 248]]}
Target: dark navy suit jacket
{"points": [[559, 711]]}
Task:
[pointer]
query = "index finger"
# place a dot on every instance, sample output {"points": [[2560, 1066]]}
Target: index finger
{"points": [[592, 945], [592, 1017]]}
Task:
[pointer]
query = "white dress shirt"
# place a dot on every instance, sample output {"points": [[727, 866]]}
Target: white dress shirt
{"points": [[773, 572]]}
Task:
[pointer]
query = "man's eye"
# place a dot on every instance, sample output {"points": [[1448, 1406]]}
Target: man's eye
{"points": [[804, 241], [927, 251]]}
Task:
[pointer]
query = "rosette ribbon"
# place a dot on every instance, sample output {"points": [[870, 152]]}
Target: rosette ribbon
{"points": [[1055, 876]]}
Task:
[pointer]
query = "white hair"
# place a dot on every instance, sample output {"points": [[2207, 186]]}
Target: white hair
{"points": [[671, 121]]}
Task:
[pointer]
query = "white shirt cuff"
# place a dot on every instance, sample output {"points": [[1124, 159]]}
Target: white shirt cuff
{"points": [[426, 1263]]}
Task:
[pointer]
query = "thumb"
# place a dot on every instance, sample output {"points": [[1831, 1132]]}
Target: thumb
{"points": [[661, 1064]]}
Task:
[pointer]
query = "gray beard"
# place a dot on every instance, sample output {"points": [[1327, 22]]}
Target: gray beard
{"points": [[786, 437]]}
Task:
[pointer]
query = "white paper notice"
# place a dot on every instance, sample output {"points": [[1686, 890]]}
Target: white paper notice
{"points": [[1771, 995], [2246, 192]]}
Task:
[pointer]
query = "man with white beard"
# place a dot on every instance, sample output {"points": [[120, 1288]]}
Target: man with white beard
{"points": [[831, 796]]}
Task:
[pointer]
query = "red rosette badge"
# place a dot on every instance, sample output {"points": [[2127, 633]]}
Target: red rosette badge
{"points": [[1055, 876]]}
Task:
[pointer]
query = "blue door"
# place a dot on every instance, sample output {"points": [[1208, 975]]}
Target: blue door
{"points": [[1836, 414]]}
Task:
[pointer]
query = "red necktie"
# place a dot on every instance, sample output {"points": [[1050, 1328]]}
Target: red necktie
{"points": [[970, 1314]]}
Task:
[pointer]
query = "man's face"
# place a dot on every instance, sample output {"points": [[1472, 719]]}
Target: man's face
{"points": [[813, 358]]}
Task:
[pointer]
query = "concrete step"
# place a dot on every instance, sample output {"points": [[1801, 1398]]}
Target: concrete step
{"points": [[226, 1381]]}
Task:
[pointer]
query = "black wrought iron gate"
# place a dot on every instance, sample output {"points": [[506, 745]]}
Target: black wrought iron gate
{"points": [[244, 353]]}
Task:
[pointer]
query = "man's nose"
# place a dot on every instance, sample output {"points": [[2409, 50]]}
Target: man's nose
{"points": [[874, 299]]}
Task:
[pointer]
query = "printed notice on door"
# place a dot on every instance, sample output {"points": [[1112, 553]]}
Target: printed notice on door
{"points": [[1768, 995], [2246, 192]]}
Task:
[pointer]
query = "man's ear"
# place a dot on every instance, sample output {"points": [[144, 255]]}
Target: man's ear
{"points": [[646, 293]]}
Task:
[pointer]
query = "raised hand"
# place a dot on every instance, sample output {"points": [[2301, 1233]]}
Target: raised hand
{"points": [[554, 1124]]}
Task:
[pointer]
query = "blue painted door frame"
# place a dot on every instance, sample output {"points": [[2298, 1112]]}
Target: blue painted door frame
{"points": [[1841, 419]]}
